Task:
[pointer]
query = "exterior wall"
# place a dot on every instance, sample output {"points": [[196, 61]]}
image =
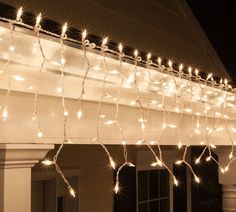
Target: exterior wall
{"points": [[95, 176], [96, 184], [165, 27]]}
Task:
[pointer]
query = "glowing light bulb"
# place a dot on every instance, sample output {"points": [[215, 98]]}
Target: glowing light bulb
{"points": [[47, 162], [226, 116], [97, 68], [71, 190], [190, 70], [180, 145], [153, 164], [38, 20], [130, 164], [159, 61], [208, 158], [79, 114], [159, 163], [64, 29], [196, 72], [40, 134], [154, 102], [178, 162], [123, 143], [17, 78], [197, 179], [133, 102], [109, 122], [209, 76], [19, 14], [136, 53], [170, 63], [213, 146], [139, 142], [102, 116], [5, 114], [209, 131], [197, 131], [226, 168], [117, 187], [120, 47], [188, 110], [226, 82], [156, 163], [149, 55], [94, 139], [197, 161], [114, 71], [152, 142], [222, 170], [231, 155], [142, 126], [163, 126], [11, 48], [63, 61], [104, 41], [176, 182], [181, 67], [84, 35], [66, 113], [68, 141], [112, 163], [59, 90]]}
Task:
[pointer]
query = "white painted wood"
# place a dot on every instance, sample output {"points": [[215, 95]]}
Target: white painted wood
{"points": [[16, 161]]}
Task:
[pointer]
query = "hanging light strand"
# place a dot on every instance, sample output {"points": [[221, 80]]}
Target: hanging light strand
{"points": [[44, 60], [6, 68], [184, 160], [158, 161], [206, 83], [65, 113], [125, 152], [85, 43], [104, 49]]}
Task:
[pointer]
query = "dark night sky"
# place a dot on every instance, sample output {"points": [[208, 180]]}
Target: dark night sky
{"points": [[218, 20]]}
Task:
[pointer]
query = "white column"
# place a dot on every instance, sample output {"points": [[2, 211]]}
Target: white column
{"points": [[16, 161], [227, 180]]}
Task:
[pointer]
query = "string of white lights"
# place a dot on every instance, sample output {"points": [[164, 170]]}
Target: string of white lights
{"points": [[6, 68], [125, 152], [184, 159], [65, 115], [159, 161], [35, 112], [104, 49], [208, 130], [85, 43], [143, 124], [175, 81]]}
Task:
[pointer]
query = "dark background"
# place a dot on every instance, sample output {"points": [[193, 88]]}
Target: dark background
{"points": [[217, 19]]}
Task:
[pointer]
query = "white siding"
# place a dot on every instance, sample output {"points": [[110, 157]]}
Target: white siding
{"points": [[164, 27]]}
